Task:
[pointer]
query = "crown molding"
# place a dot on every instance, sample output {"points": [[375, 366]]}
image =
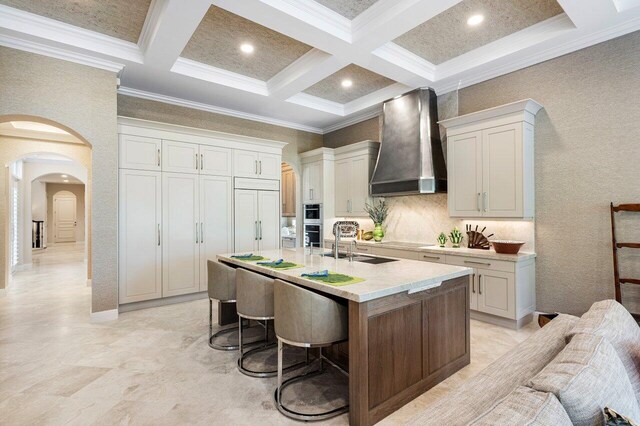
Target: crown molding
{"points": [[402, 57], [317, 103], [54, 52], [354, 119], [52, 30], [151, 23], [211, 74], [214, 109]]}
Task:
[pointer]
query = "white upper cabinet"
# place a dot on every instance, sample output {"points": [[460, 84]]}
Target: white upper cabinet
{"points": [[490, 162], [353, 167], [180, 157], [256, 164], [216, 161], [312, 182], [140, 153]]}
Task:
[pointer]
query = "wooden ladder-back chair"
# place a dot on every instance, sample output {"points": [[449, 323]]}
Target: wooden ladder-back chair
{"points": [[616, 245]]}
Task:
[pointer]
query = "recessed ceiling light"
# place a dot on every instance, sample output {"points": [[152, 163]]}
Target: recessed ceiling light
{"points": [[475, 20], [64, 176], [37, 127], [246, 48], [347, 83], [66, 180]]}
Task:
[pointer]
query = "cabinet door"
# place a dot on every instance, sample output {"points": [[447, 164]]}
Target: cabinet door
{"points": [[269, 166], [140, 252], [359, 186], [342, 187], [288, 193], [269, 220], [245, 221], [496, 293], [465, 175], [245, 163], [181, 234], [180, 157], [216, 161], [502, 171], [216, 221], [315, 177], [137, 152]]}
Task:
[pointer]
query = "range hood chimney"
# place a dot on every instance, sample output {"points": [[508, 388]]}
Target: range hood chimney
{"points": [[410, 160]]}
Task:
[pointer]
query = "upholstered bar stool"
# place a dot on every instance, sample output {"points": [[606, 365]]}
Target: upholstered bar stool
{"points": [[307, 319], [221, 285]]}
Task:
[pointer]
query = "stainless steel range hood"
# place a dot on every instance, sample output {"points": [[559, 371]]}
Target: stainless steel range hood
{"points": [[410, 160]]}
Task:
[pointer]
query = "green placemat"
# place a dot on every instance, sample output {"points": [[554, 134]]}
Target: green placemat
{"points": [[250, 259], [337, 280], [283, 266]]}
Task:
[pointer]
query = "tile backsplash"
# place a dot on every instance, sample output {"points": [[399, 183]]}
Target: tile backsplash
{"points": [[421, 218]]}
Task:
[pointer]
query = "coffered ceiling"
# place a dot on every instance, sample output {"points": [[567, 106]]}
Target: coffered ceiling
{"points": [[285, 61]]}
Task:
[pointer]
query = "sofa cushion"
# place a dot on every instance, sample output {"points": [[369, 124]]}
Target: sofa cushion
{"points": [[612, 321], [586, 377], [525, 406], [515, 368]]}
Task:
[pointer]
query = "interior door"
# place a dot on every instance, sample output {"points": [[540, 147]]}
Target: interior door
{"points": [[502, 171], [180, 157], [496, 293], [342, 187], [216, 161], [245, 220], [465, 175], [216, 221], [139, 246], [359, 185], [181, 234], [64, 218], [270, 166], [269, 220]]}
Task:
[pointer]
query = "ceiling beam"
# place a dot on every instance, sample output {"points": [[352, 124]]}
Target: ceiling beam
{"points": [[588, 12], [168, 28]]}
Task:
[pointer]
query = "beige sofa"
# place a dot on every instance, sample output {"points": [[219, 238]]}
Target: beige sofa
{"points": [[565, 374]]}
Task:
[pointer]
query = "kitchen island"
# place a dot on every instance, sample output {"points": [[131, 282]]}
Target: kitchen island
{"points": [[408, 324]]}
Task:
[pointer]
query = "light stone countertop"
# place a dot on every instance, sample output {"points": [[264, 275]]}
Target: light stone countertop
{"points": [[380, 280], [434, 249]]}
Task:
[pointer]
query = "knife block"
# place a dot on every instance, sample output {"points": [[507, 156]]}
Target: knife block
{"points": [[477, 240]]}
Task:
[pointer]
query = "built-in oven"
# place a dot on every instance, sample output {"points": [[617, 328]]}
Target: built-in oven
{"points": [[313, 213], [312, 235]]}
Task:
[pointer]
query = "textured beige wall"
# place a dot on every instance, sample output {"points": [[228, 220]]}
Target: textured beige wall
{"points": [[82, 99], [586, 155], [365, 130]]}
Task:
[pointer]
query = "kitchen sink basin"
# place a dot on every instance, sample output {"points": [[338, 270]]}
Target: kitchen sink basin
{"points": [[363, 258]]}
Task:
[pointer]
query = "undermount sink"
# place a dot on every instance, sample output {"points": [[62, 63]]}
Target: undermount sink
{"points": [[363, 258]]}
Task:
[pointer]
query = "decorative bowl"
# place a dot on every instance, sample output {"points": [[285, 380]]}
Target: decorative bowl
{"points": [[507, 246]]}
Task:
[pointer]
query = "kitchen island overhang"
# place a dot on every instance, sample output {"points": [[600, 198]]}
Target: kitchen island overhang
{"points": [[408, 325]]}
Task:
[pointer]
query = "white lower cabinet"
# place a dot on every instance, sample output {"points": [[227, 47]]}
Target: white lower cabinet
{"points": [[140, 253], [181, 234], [257, 218]]}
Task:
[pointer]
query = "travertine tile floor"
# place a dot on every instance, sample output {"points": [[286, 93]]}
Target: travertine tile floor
{"points": [[149, 367]]}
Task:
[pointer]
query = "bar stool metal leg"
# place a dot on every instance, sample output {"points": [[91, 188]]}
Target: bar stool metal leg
{"points": [[282, 385], [213, 336]]}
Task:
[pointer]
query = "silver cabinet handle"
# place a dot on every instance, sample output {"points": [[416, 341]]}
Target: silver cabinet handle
{"points": [[480, 283], [260, 228], [477, 263], [201, 161], [478, 202], [363, 249], [311, 191], [430, 257], [256, 230], [201, 232], [196, 232], [260, 162], [484, 201], [158, 235], [256, 165], [158, 157], [473, 283]]}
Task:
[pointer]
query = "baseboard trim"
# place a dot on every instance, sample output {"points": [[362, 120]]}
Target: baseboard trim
{"points": [[502, 322], [128, 307], [88, 282], [103, 316]]}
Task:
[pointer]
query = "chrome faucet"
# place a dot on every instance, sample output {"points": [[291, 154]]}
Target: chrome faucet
{"points": [[336, 243], [343, 229]]}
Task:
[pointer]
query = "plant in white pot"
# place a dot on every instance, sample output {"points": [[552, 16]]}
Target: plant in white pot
{"points": [[378, 214]]}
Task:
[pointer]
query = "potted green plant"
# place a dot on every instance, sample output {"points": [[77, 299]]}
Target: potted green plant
{"points": [[456, 237], [442, 239], [378, 214]]}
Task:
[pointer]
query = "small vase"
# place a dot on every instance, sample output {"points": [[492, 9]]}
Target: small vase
{"points": [[378, 233], [456, 245]]}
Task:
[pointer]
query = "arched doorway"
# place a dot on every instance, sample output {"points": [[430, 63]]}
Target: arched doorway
{"points": [[23, 138]]}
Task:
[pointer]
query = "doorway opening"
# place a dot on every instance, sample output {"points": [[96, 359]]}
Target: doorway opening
{"points": [[47, 208]]}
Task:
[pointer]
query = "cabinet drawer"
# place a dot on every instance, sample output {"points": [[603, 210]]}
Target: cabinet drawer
{"points": [[474, 262], [389, 252], [431, 257]]}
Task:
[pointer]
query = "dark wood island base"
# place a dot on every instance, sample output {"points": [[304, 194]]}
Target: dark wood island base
{"points": [[404, 344]]}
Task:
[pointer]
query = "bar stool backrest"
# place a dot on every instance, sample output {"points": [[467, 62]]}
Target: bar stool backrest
{"points": [[221, 281], [302, 316], [254, 294]]}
